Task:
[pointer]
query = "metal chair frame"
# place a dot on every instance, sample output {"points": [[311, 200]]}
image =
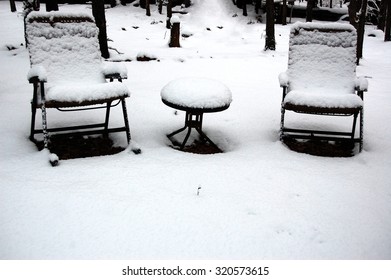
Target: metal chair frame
{"points": [[39, 99], [305, 134]]}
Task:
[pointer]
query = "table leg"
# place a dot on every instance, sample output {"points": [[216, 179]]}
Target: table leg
{"points": [[207, 138], [176, 131], [186, 138], [193, 120]]}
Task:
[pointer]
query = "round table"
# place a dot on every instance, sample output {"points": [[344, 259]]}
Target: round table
{"points": [[195, 96]]}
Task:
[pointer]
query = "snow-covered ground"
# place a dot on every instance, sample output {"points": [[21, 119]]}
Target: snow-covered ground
{"points": [[257, 200]]}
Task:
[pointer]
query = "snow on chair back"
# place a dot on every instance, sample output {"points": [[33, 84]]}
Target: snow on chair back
{"points": [[322, 58], [66, 45]]}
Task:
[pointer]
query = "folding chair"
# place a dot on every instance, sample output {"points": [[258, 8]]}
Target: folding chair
{"points": [[321, 80], [67, 74]]}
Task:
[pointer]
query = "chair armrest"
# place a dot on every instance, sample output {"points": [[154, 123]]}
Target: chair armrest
{"points": [[361, 84], [115, 70], [283, 78], [37, 73]]}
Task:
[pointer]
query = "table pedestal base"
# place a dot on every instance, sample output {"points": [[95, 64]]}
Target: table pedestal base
{"points": [[193, 120]]}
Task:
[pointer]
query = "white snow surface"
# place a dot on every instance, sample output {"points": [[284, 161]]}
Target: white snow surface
{"points": [[200, 93], [257, 200], [37, 71]]}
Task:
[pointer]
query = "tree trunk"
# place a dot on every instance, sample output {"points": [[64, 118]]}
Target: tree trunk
{"points": [[13, 6], [258, 4], [387, 30], [37, 5], [270, 41], [169, 14], [382, 15], [51, 5], [147, 8], [310, 7], [352, 9], [113, 3], [175, 35], [245, 9], [284, 12], [160, 6], [98, 10], [361, 30]]}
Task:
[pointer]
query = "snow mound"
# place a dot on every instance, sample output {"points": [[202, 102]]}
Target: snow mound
{"points": [[197, 93]]}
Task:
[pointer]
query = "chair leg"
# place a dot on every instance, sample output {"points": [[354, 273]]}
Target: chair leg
{"points": [[282, 122], [107, 118], [44, 118], [44, 127], [354, 125], [126, 120], [33, 115], [33, 111], [361, 129]]}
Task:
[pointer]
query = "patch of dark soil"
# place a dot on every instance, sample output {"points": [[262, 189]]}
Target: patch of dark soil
{"points": [[321, 147], [81, 147], [200, 147]]}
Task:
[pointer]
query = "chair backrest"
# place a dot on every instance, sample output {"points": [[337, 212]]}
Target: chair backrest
{"points": [[66, 45], [322, 56]]}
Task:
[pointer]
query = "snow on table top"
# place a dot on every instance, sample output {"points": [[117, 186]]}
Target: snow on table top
{"points": [[199, 93]]}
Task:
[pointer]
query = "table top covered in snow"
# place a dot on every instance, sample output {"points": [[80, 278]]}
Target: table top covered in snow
{"points": [[202, 94]]}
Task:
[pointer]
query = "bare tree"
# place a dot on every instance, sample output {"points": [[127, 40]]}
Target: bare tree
{"points": [[310, 7], [169, 14], [361, 29], [51, 5], [270, 41], [284, 12], [352, 9], [160, 6], [382, 15], [357, 18], [147, 8], [245, 8], [387, 30], [12, 5], [175, 35], [98, 10]]}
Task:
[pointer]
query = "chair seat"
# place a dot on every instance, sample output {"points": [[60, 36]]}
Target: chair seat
{"points": [[71, 95], [315, 101]]}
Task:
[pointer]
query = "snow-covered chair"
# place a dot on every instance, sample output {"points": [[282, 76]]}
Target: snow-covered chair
{"points": [[321, 79], [67, 73]]}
